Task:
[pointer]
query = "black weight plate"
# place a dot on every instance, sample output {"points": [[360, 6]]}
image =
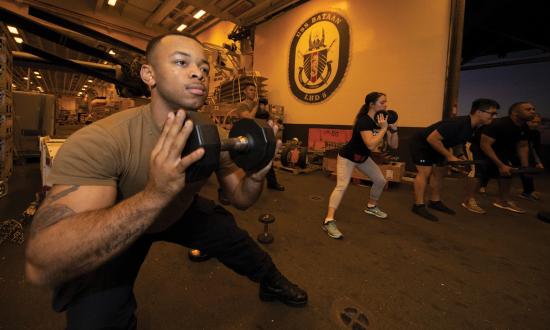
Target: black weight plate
{"points": [[284, 156], [205, 134], [392, 116], [261, 144]]}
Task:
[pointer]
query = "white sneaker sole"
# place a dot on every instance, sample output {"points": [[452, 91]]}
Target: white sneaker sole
{"points": [[375, 214], [473, 210], [511, 209]]}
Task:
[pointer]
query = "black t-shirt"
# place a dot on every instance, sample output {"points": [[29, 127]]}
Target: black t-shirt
{"points": [[454, 132], [262, 114], [356, 150], [507, 135]]}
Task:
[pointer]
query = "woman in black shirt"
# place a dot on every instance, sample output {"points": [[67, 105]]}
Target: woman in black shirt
{"points": [[368, 133]]}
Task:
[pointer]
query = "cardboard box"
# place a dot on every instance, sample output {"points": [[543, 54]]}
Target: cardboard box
{"points": [[6, 126]]}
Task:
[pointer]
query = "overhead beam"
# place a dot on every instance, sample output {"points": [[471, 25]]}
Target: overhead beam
{"points": [[161, 12], [207, 26], [273, 12], [57, 20], [213, 10]]}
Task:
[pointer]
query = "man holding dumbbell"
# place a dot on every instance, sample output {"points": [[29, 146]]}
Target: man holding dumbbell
{"points": [[252, 108], [499, 145], [120, 185], [430, 149]]}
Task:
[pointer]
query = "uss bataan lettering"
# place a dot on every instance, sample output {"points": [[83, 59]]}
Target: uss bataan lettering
{"points": [[319, 56]]}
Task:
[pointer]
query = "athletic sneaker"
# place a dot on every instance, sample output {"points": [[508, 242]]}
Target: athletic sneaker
{"points": [[422, 211], [439, 206], [532, 196], [472, 206], [332, 230], [510, 206], [376, 212]]}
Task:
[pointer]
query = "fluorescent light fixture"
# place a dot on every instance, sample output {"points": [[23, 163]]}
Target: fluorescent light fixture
{"points": [[199, 14], [112, 52], [90, 80], [38, 77], [181, 27], [13, 85], [26, 78], [37, 73], [18, 40], [111, 3], [13, 29], [84, 86]]}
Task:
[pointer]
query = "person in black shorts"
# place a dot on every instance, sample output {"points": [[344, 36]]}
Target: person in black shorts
{"points": [[430, 149], [502, 145]]}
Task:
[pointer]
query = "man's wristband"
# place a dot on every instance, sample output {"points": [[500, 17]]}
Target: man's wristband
{"points": [[392, 130]]}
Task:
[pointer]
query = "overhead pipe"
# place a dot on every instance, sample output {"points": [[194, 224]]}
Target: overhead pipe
{"points": [[454, 56], [49, 17], [47, 33]]}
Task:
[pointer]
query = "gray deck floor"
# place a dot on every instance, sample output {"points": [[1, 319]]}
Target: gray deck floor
{"points": [[466, 271]]}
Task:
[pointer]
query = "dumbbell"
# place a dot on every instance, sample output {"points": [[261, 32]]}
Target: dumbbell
{"points": [[391, 116], [266, 237], [251, 145], [462, 162], [527, 170]]}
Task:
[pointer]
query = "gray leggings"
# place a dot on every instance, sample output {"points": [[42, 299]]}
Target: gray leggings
{"points": [[344, 168]]}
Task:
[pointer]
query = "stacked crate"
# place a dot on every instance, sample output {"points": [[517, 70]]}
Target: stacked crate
{"points": [[6, 116]]}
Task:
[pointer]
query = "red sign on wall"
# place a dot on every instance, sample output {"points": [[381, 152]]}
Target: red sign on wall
{"points": [[320, 139]]}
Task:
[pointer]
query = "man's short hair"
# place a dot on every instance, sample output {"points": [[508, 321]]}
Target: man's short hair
{"points": [[154, 42], [483, 105], [514, 107], [263, 100]]}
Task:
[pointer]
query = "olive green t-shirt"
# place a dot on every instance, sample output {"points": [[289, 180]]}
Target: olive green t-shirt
{"points": [[115, 151]]}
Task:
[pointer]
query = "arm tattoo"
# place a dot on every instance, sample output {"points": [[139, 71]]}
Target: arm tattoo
{"points": [[63, 193], [49, 215]]}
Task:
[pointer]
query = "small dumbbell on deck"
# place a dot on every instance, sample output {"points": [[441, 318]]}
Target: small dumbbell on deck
{"points": [[266, 237], [251, 145]]}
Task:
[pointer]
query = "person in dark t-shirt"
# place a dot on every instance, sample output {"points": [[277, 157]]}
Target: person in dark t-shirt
{"points": [[430, 148], [502, 146], [534, 139], [367, 134]]}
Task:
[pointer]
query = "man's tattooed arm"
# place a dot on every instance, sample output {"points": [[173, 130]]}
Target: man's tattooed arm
{"points": [[67, 241]]}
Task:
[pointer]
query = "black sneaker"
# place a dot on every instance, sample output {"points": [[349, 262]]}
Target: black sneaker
{"points": [[283, 290], [422, 211], [276, 186], [439, 206]]}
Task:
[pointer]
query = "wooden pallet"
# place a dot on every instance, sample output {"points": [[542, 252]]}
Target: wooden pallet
{"points": [[296, 170]]}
